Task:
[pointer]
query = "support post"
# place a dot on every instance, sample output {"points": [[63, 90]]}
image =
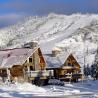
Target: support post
{"points": [[8, 74]]}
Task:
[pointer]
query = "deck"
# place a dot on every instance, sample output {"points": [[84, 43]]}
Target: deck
{"points": [[40, 73]]}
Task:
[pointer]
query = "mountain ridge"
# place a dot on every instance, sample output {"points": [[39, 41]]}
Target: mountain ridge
{"points": [[62, 31]]}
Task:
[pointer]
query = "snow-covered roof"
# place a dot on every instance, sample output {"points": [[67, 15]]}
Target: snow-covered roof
{"points": [[16, 56], [57, 61], [56, 49]]}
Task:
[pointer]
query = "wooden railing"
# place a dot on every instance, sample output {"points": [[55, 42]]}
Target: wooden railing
{"points": [[40, 73]]}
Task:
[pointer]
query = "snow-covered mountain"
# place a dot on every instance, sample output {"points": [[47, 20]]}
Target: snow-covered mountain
{"points": [[75, 33]]}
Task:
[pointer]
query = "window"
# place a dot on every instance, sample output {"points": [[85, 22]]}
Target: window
{"points": [[69, 64], [30, 59], [31, 68], [4, 73]]}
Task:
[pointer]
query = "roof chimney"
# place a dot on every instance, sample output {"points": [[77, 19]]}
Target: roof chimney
{"points": [[55, 51], [31, 45]]}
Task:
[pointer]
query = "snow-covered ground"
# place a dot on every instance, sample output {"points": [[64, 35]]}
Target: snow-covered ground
{"points": [[87, 89]]}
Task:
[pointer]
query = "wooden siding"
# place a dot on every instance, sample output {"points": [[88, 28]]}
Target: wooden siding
{"points": [[3, 72], [72, 61], [42, 61]]}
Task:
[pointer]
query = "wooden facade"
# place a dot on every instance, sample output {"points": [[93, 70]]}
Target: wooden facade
{"points": [[69, 71], [73, 65]]}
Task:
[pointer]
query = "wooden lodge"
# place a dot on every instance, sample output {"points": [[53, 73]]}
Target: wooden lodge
{"points": [[70, 70], [24, 64], [65, 67]]}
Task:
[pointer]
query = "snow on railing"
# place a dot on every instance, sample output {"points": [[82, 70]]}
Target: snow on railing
{"points": [[39, 73]]}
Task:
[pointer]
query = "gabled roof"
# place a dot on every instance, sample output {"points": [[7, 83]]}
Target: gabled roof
{"points": [[73, 60], [16, 56], [58, 61]]}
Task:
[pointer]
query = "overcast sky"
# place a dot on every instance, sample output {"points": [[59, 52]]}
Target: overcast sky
{"points": [[12, 11]]}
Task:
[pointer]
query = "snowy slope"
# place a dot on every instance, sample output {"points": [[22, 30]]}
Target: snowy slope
{"points": [[76, 33]]}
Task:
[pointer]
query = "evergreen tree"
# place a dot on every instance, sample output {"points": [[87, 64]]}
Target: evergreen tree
{"points": [[87, 70]]}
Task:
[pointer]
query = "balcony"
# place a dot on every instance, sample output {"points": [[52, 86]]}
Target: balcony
{"points": [[40, 73]]}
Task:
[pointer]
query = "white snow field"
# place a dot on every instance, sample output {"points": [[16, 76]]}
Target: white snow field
{"points": [[88, 89], [76, 33]]}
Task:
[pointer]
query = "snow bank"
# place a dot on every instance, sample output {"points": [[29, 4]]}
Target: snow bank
{"points": [[30, 87], [68, 92], [27, 90]]}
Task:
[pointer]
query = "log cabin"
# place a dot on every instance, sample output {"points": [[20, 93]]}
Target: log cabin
{"points": [[24, 65], [65, 66]]}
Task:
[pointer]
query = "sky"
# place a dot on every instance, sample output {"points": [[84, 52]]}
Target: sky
{"points": [[12, 11]]}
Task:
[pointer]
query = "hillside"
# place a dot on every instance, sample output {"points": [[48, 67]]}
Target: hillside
{"points": [[77, 34]]}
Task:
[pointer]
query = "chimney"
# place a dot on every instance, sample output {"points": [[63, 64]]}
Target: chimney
{"points": [[56, 51], [31, 45]]}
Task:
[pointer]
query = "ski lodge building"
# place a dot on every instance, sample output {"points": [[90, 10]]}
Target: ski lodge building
{"points": [[24, 64], [64, 65]]}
